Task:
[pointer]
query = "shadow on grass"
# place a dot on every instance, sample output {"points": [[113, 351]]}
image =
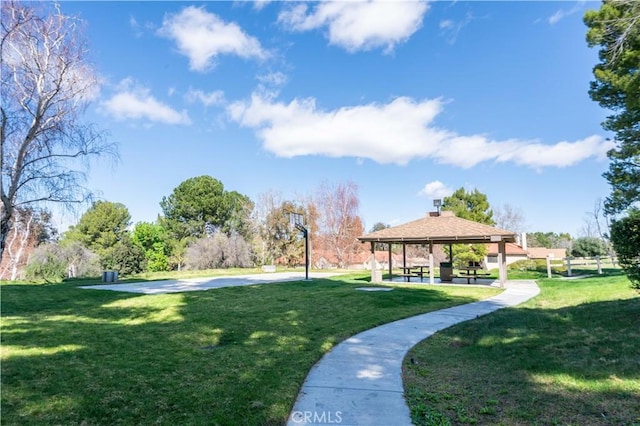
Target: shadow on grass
{"points": [[573, 365], [227, 356]]}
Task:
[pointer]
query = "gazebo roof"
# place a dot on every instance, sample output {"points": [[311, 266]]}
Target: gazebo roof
{"points": [[440, 228]]}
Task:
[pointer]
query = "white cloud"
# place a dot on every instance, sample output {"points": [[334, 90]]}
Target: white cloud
{"points": [[133, 23], [561, 154], [446, 23], [273, 79], [257, 4], [260, 4], [368, 131], [207, 99], [359, 25], [450, 29], [135, 103], [556, 16], [562, 13], [436, 190], [396, 132], [203, 36], [270, 84]]}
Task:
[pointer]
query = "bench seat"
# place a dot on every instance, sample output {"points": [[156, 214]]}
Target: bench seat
{"points": [[471, 276], [408, 276]]}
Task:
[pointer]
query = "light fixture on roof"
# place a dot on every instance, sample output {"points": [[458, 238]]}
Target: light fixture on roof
{"points": [[437, 204]]}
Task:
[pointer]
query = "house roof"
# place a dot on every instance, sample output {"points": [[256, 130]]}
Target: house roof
{"points": [[356, 258], [511, 249], [542, 252], [443, 228]]}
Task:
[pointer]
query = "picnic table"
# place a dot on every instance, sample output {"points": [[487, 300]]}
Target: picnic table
{"points": [[472, 272], [414, 271]]}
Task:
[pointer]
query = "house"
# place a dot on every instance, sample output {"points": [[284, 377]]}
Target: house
{"points": [[513, 253], [543, 252], [382, 260], [325, 259]]}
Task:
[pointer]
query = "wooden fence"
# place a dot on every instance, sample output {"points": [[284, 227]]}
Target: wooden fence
{"points": [[590, 262]]}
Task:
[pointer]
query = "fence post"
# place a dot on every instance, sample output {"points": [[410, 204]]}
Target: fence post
{"points": [[599, 265], [568, 259], [548, 266]]}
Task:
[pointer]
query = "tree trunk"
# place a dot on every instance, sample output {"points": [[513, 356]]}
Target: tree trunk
{"points": [[23, 241], [5, 227]]}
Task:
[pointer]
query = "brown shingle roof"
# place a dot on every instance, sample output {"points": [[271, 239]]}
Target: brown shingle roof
{"points": [[443, 229], [542, 252], [510, 249]]}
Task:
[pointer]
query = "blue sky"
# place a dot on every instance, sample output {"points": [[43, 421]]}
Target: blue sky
{"points": [[409, 100]]}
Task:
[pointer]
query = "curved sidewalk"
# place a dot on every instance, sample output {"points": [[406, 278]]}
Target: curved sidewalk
{"points": [[360, 381]]}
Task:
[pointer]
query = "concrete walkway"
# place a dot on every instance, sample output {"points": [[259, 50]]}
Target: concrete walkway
{"points": [[360, 381], [199, 284]]}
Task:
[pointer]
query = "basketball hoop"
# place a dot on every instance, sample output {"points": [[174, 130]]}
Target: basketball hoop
{"points": [[296, 220]]}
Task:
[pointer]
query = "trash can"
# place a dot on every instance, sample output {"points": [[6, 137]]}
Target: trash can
{"points": [[376, 276], [446, 271], [109, 276]]}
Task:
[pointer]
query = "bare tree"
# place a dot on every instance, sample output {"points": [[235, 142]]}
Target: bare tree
{"points": [[218, 251], [263, 244], [338, 221], [509, 217], [46, 85], [19, 242], [596, 223], [276, 241], [29, 229]]}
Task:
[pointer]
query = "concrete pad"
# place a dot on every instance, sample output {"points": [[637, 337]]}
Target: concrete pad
{"points": [[200, 284], [360, 380]]}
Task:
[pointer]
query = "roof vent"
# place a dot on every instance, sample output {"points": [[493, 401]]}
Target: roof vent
{"points": [[444, 213]]}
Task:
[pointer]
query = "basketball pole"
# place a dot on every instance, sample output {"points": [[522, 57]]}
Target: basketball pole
{"points": [[296, 219], [305, 233]]}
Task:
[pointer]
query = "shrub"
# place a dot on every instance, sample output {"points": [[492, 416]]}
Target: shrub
{"points": [[625, 236], [81, 262], [125, 257], [218, 251], [53, 263], [588, 247], [157, 260], [47, 263], [537, 265]]}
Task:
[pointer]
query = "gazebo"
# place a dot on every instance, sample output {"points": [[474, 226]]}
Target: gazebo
{"points": [[442, 228]]}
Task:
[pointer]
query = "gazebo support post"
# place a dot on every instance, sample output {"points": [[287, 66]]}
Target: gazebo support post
{"points": [[404, 254], [390, 264], [372, 263], [431, 277]]}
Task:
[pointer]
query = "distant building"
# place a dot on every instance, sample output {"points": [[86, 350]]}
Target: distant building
{"points": [[325, 259], [543, 252], [520, 251], [513, 254]]}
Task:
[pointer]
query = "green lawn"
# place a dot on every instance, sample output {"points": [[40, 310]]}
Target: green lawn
{"points": [[571, 356], [234, 356]]}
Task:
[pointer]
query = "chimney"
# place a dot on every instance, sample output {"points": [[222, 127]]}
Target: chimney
{"points": [[523, 241], [437, 204]]}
